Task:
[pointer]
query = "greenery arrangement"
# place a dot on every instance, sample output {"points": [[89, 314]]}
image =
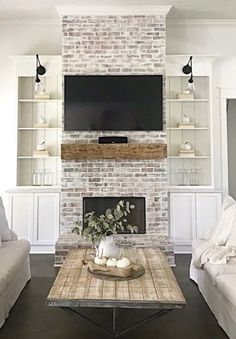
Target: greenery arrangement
{"points": [[111, 222]]}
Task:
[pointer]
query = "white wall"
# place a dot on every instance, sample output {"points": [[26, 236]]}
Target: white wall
{"points": [[18, 39]]}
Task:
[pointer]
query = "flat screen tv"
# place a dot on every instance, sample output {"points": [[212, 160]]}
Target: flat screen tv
{"points": [[113, 103]]}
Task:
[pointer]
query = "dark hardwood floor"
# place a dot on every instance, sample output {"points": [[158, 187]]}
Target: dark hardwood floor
{"points": [[31, 318]]}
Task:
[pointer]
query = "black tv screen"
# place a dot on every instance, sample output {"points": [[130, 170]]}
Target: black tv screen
{"points": [[113, 103]]}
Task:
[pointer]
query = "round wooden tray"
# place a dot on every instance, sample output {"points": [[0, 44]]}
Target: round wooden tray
{"points": [[104, 276]]}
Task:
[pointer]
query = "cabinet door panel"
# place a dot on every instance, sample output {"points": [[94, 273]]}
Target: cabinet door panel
{"points": [[46, 222], [182, 218], [207, 210], [21, 215]]}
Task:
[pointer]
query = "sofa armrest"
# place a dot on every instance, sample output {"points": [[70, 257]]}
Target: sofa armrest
{"points": [[13, 236]]}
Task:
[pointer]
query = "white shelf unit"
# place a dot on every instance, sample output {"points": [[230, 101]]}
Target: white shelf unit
{"points": [[29, 111], [199, 110]]}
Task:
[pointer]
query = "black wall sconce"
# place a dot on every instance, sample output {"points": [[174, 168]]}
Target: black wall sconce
{"points": [[40, 70], [188, 69]]}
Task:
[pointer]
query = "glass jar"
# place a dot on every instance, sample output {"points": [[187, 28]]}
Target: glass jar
{"points": [[193, 178], [37, 178], [127, 249], [48, 178], [182, 177]]}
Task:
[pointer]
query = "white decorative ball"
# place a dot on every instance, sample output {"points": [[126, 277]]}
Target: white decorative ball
{"points": [[122, 263], [100, 261], [112, 262]]}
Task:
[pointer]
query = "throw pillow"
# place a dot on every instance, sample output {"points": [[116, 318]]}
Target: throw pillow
{"points": [[4, 228], [232, 238], [228, 202], [226, 223]]}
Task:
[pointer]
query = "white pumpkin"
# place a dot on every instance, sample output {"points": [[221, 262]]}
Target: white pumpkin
{"points": [[100, 261], [122, 263], [112, 262]]}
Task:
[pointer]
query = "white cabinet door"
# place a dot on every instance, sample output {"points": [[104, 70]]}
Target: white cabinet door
{"points": [[21, 214], [208, 206], [46, 218], [182, 218]]}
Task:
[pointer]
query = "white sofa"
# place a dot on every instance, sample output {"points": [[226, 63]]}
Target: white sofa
{"points": [[14, 266], [217, 283]]}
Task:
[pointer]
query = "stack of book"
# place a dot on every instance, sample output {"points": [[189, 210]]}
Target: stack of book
{"points": [[186, 125], [185, 96], [42, 96], [187, 153], [43, 153]]}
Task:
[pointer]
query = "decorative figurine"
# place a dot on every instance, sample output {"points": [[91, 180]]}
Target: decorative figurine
{"points": [[186, 119]]}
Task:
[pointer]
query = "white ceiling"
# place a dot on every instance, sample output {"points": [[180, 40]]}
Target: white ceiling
{"points": [[34, 10]]}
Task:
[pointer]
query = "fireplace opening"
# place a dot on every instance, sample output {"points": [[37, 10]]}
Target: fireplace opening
{"points": [[100, 204]]}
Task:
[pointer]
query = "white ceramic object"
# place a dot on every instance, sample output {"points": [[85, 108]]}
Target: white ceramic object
{"points": [[112, 262], [107, 248], [41, 147], [187, 146], [186, 119]]}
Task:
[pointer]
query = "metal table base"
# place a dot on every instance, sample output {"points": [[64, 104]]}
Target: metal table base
{"points": [[114, 333]]}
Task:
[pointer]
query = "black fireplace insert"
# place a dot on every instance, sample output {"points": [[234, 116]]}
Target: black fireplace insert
{"points": [[100, 204]]}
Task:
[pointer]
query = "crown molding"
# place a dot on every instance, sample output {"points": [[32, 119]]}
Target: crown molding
{"points": [[179, 58], [31, 22], [207, 22], [112, 10]]}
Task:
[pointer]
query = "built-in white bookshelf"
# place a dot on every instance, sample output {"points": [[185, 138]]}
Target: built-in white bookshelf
{"points": [[30, 111], [198, 109]]}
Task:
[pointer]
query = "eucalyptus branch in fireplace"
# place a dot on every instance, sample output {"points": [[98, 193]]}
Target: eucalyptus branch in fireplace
{"points": [[111, 222]]}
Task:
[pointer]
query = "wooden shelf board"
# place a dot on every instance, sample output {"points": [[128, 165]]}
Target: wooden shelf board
{"points": [[189, 129], [38, 128], [38, 157], [194, 157], [188, 187], [113, 151], [187, 100], [40, 100]]}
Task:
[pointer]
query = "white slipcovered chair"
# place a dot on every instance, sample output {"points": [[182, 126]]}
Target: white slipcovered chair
{"points": [[14, 266]]}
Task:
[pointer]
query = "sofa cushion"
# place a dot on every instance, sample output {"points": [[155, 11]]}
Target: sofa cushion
{"points": [[213, 271], [13, 254], [227, 286], [4, 228]]}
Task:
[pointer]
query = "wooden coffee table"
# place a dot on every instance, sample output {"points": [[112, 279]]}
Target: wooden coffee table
{"points": [[158, 289]]}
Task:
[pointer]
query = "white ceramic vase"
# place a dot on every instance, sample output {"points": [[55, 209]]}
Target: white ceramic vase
{"points": [[107, 248]]}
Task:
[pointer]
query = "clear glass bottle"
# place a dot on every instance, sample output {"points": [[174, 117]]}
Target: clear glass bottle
{"points": [[182, 177], [193, 177], [37, 178], [127, 249], [48, 177]]}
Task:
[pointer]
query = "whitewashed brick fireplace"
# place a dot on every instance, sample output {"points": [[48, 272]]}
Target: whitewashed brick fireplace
{"points": [[114, 44]]}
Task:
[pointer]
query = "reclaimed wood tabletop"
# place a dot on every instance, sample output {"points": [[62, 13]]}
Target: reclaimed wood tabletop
{"points": [[74, 286]]}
